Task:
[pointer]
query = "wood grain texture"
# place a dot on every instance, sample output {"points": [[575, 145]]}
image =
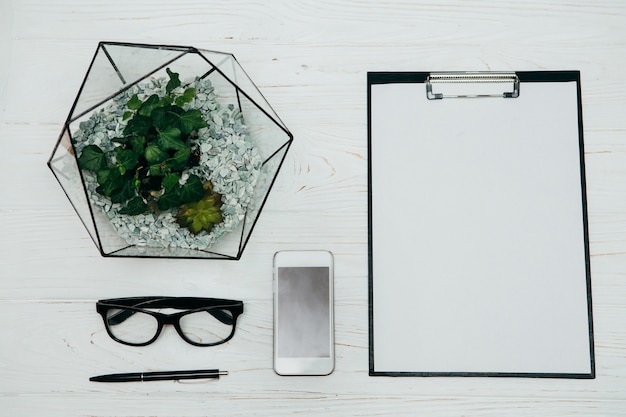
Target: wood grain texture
{"points": [[310, 60]]}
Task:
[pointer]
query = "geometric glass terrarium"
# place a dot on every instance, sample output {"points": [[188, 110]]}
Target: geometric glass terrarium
{"points": [[168, 151]]}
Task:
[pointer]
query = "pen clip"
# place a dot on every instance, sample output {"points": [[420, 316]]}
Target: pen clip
{"points": [[194, 381], [201, 380]]}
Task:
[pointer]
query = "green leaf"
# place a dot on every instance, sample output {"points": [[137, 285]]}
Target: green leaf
{"points": [[189, 93], [169, 199], [138, 143], [170, 181], [120, 139], [173, 82], [134, 206], [150, 104], [192, 190], [169, 139], [179, 161], [134, 103], [123, 193], [109, 179], [166, 101], [154, 154], [127, 158], [157, 170], [186, 97], [92, 158], [138, 125], [191, 120], [126, 115], [167, 116]]}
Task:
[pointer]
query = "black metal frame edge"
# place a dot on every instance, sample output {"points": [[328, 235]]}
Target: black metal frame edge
{"points": [[524, 76]]}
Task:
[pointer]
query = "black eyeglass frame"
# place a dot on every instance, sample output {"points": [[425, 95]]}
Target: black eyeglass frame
{"points": [[189, 304]]}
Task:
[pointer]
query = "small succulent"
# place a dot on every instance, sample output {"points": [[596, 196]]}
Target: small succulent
{"points": [[201, 215], [147, 170]]}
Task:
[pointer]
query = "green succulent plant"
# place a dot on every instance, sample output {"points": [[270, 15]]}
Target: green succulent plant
{"points": [[200, 215], [147, 170]]}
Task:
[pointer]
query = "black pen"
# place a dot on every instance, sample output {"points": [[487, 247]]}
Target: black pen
{"points": [[160, 376]]}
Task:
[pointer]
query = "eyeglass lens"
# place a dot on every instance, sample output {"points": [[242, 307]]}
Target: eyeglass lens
{"points": [[131, 326], [206, 327], [209, 326]]}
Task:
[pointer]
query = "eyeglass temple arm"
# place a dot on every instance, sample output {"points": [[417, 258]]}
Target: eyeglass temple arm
{"points": [[222, 316]]}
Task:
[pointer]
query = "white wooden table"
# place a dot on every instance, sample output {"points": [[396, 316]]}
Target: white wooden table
{"points": [[309, 58]]}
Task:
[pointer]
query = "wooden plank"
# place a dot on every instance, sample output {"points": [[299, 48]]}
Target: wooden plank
{"points": [[63, 343], [311, 403]]}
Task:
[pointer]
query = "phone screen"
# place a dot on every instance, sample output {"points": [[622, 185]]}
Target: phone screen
{"points": [[303, 309]]}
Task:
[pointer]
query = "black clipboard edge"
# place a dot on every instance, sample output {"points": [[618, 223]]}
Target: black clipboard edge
{"points": [[484, 374], [524, 76], [420, 77]]}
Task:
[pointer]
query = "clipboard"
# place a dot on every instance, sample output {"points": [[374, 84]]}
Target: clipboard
{"points": [[479, 258]]}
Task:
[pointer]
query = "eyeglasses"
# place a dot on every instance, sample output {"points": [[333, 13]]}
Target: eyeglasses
{"points": [[204, 321]]}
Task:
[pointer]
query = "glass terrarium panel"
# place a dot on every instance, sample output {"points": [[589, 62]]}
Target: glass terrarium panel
{"points": [[134, 62], [176, 100], [116, 66], [224, 89], [224, 63], [136, 251], [188, 67], [109, 238], [220, 60], [237, 75], [269, 171], [65, 168], [228, 245], [269, 135]]}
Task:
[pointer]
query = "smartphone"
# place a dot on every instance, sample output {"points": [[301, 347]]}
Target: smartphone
{"points": [[304, 342]]}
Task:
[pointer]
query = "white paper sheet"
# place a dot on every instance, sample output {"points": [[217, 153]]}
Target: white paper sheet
{"points": [[478, 244]]}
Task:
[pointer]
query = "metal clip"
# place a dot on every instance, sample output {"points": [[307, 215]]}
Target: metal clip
{"points": [[472, 85]]}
